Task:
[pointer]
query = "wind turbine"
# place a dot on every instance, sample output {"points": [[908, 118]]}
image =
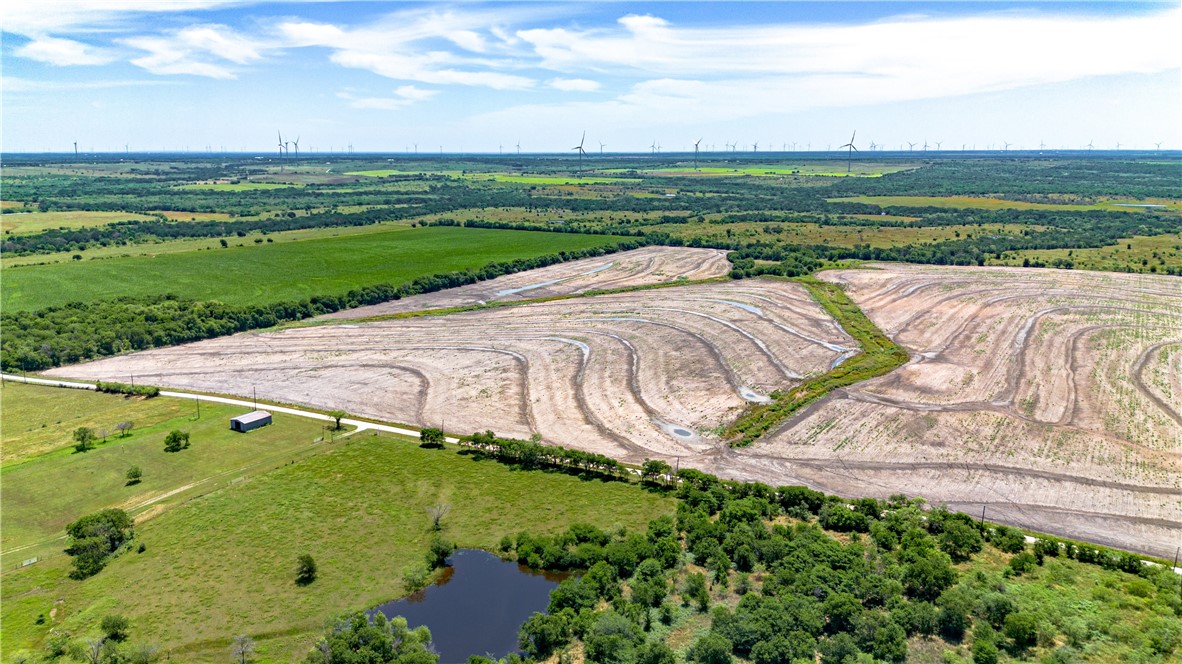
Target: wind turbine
{"points": [[296, 143], [602, 145], [518, 147], [1118, 145], [579, 147], [653, 147], [925, 145], [1042, 145], [872, 146], [281, 144], [755, 146], [850, 160], [696, 153], [1090, 146], [910, 146], [1158, 145], [1007, 147], [938, 144], [500, 149], [75, 148]]}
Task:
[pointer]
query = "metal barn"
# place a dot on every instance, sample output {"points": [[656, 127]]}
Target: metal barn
{"points": [[250, 421]]}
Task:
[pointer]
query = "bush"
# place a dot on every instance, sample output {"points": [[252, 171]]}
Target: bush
{"points": [[305, 569], [710, 649], [1022, 629], [134, 475], [94, 537], [114, 627], [415, 577], [176, 441], [438, 552], [1023, 562]]}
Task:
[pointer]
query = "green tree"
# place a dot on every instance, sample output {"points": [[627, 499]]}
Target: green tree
{"points": [[612, 639], [960, 540], [544, 633], [431, 437], [94, 537], [305, 569], [373, 640], [337, 416], [655, 652], [438, 552], [695, 590], [710, 649], [176, 441], [1022, 629], [654, 469], [134, 475], [124, 428], [83, 439]]}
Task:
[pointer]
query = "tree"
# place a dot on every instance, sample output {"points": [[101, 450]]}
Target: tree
{"points": [[543, 633], [359, 638], [431, 437], [710, 649], [96, 536], [337, 415], [438, 552], [655, 652], [176, 441], [960, 540], [242, 647], [124, 428], [134, 475], [83, 439], [654, 469], [437, 512], [695, 590], [1022, 628], [114, 627], [305, 569]]}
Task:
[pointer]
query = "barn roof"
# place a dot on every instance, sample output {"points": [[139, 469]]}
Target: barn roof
{"points": [[251, 417]]}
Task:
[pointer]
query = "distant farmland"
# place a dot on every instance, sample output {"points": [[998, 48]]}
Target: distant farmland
{"points": [[265, 273]]}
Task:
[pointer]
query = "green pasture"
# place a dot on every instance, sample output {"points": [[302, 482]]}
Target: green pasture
{"points": [[42, 493], [281, 271], [1135, 254], [223, 564], [975, 202], [34, 222]]}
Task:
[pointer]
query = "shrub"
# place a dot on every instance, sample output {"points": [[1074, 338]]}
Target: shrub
{"points": [[176, 441], [305, 569]]}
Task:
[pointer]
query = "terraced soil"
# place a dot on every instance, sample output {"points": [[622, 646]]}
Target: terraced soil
{"points": [[638, 267], [641, 374], [1050, 398]]}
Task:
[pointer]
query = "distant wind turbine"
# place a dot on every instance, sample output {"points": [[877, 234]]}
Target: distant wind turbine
{"points": [[755, 146], [281, 143], [296, 143], [75, 148], [1042, 146], [1118, 145], [1158, 145], [696, 153], [602, 145], [850, 160], [938, 144], [653, 147], [872, 146], [518, 147], [1090, 146], [1007, 147], [579, 147], [925, 146]]}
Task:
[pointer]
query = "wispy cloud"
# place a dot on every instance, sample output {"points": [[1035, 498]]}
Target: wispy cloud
{"points": [[63, 52], [574, 84], [15, 84], [200, 50], [403, 96]]}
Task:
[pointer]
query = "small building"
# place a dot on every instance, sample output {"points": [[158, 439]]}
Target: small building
{"points": [[250, 421]]}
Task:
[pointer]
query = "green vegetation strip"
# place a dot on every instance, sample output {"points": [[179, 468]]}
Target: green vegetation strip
{"points": [[879, 356]]}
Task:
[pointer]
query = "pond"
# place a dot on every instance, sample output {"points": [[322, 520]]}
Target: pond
{"points": [[477, 606]]}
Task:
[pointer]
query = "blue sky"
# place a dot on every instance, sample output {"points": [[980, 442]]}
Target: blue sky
{"points": [[482, 76]]}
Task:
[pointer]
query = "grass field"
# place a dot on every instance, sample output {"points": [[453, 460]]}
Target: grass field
{"points": [[223, 564], [999, 204], [48, 484], [820, 169], [1135, 254], [837, 236], [35, 222], [277, 272]]}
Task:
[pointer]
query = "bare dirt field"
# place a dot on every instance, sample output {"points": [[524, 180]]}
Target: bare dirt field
{"points": [[638, 374], [1050, 398], [639, 267]]}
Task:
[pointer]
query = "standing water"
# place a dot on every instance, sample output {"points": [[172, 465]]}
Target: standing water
{"points": [[477, 607]]}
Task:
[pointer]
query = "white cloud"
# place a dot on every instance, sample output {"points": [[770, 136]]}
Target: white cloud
{"points": [[63, 52], [15, 84], [195, 50], [574, 84], [404, 96], [43, 17]]}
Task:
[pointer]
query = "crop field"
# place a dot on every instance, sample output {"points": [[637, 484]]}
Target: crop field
{"points": [[634, 374], [1048, 397], [638, 267], [37, 509], [283, 271], [35, 222], [227, 556]]}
